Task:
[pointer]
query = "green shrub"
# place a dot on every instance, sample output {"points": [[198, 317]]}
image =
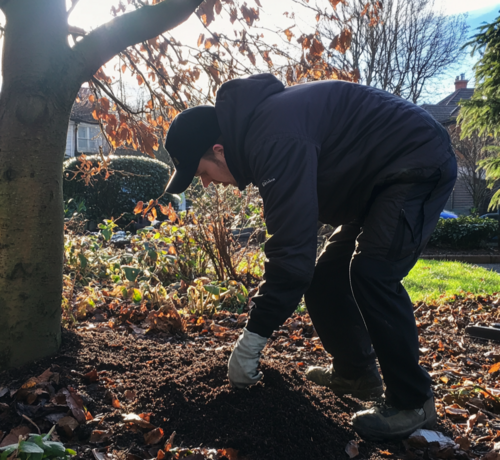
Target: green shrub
{"points": [[132, 179], [466, 232], [36, 447]]}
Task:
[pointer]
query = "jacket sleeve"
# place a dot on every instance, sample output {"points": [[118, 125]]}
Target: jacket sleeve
{"points": [[285, 170]]}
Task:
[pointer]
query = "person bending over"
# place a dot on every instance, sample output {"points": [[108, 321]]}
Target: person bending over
{"points": [[376, 167]]}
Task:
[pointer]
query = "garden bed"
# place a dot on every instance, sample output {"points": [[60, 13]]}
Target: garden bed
{"points": [[178, 384]]}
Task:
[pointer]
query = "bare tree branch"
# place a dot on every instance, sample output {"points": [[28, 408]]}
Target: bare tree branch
{"points": [[99, 46], [73, 5], [117, 101], [469, 151], [410, 45]]}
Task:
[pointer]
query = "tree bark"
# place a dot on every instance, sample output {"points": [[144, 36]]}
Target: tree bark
{"points": [[41, 79], [34, 111]]}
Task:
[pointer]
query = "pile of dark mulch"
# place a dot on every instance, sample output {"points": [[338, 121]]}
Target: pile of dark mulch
{"points": [[183, 387]]}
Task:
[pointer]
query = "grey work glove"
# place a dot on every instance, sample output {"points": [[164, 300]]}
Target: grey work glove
{"points": [[242, 368]]}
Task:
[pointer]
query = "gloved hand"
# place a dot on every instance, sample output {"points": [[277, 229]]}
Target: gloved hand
{"points": [[242, 368]]}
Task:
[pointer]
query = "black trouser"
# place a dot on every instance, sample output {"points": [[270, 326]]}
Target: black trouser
{"points": [[356, 298]]}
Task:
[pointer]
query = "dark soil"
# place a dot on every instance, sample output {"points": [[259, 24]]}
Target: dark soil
{"points": [[181, 382], [185, 388]]}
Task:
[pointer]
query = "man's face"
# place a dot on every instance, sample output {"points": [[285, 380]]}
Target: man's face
{"points": [[215, 169]]}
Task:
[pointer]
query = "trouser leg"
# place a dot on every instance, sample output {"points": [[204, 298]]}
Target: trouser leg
{"points": [[399, 223], [333, 310]]}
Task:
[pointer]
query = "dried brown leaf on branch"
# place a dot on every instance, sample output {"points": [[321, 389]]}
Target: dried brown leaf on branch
{"points": [[249, 14], [206, 11], [317, 48], [334, 3], [342, 42], [138, 207]]}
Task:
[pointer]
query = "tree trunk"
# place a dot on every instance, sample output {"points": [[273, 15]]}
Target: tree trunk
{"points": [[35, 105], [41, 79]]}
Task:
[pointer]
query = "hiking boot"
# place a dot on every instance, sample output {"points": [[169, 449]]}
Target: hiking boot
{"points": [[384, 422], [368, 386]]}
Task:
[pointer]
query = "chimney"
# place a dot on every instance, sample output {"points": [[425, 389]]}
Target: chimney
{"points": [[461, 82]]}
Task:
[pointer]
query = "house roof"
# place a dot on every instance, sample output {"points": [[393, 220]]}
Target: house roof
{"points": [[441, 113], [452, 99], [447, 110], [82, 110]]}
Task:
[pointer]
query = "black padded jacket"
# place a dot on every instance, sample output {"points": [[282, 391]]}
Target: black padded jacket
{"points": [[317, 152]]}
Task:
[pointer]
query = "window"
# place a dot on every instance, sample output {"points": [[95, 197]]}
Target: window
{"points": [[89, 139]]}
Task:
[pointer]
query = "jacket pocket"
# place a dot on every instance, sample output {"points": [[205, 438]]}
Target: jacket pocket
{"points": [[403, 243]]}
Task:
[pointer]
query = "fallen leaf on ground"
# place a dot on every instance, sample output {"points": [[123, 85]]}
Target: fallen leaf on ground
{"points": [[136, 420], [91, 376], [99, 436], [3, 391], [45, 376], [166, 320], [491, 456], [129, 394], [422, 438], [113, 399], [231, 454], [242, 319], [456, 411], [115, 403], [154, 436], [352, 449], [474, 419], [26, 391], [13, 436], [216, 328], [68, 424], [494, 368], [54, 418], [464, 443], [170, 443], [75, 403]]}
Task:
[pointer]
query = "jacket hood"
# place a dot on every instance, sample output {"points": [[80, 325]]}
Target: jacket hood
{"points": [[235, 105]]}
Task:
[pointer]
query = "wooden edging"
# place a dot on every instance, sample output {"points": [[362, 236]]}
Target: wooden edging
{"points": [[472, 259]]}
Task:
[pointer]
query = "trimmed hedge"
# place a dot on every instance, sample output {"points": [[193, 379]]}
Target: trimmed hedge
{"points": [[466, 232], [120, 192]]}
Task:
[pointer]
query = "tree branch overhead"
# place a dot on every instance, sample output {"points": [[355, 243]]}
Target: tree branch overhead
{"points": [[99, 46]]}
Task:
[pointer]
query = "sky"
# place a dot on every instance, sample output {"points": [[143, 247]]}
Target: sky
{"points": [[89, 14], [464, 6]]}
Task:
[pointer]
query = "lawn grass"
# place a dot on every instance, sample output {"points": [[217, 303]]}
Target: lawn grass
{"points": [[434, 279]]}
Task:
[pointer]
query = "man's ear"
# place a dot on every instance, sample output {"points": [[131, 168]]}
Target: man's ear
{"points": [[218, 149]]}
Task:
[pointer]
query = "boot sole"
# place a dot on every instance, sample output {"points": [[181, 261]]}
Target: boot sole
{"points": [[383, 436]]}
